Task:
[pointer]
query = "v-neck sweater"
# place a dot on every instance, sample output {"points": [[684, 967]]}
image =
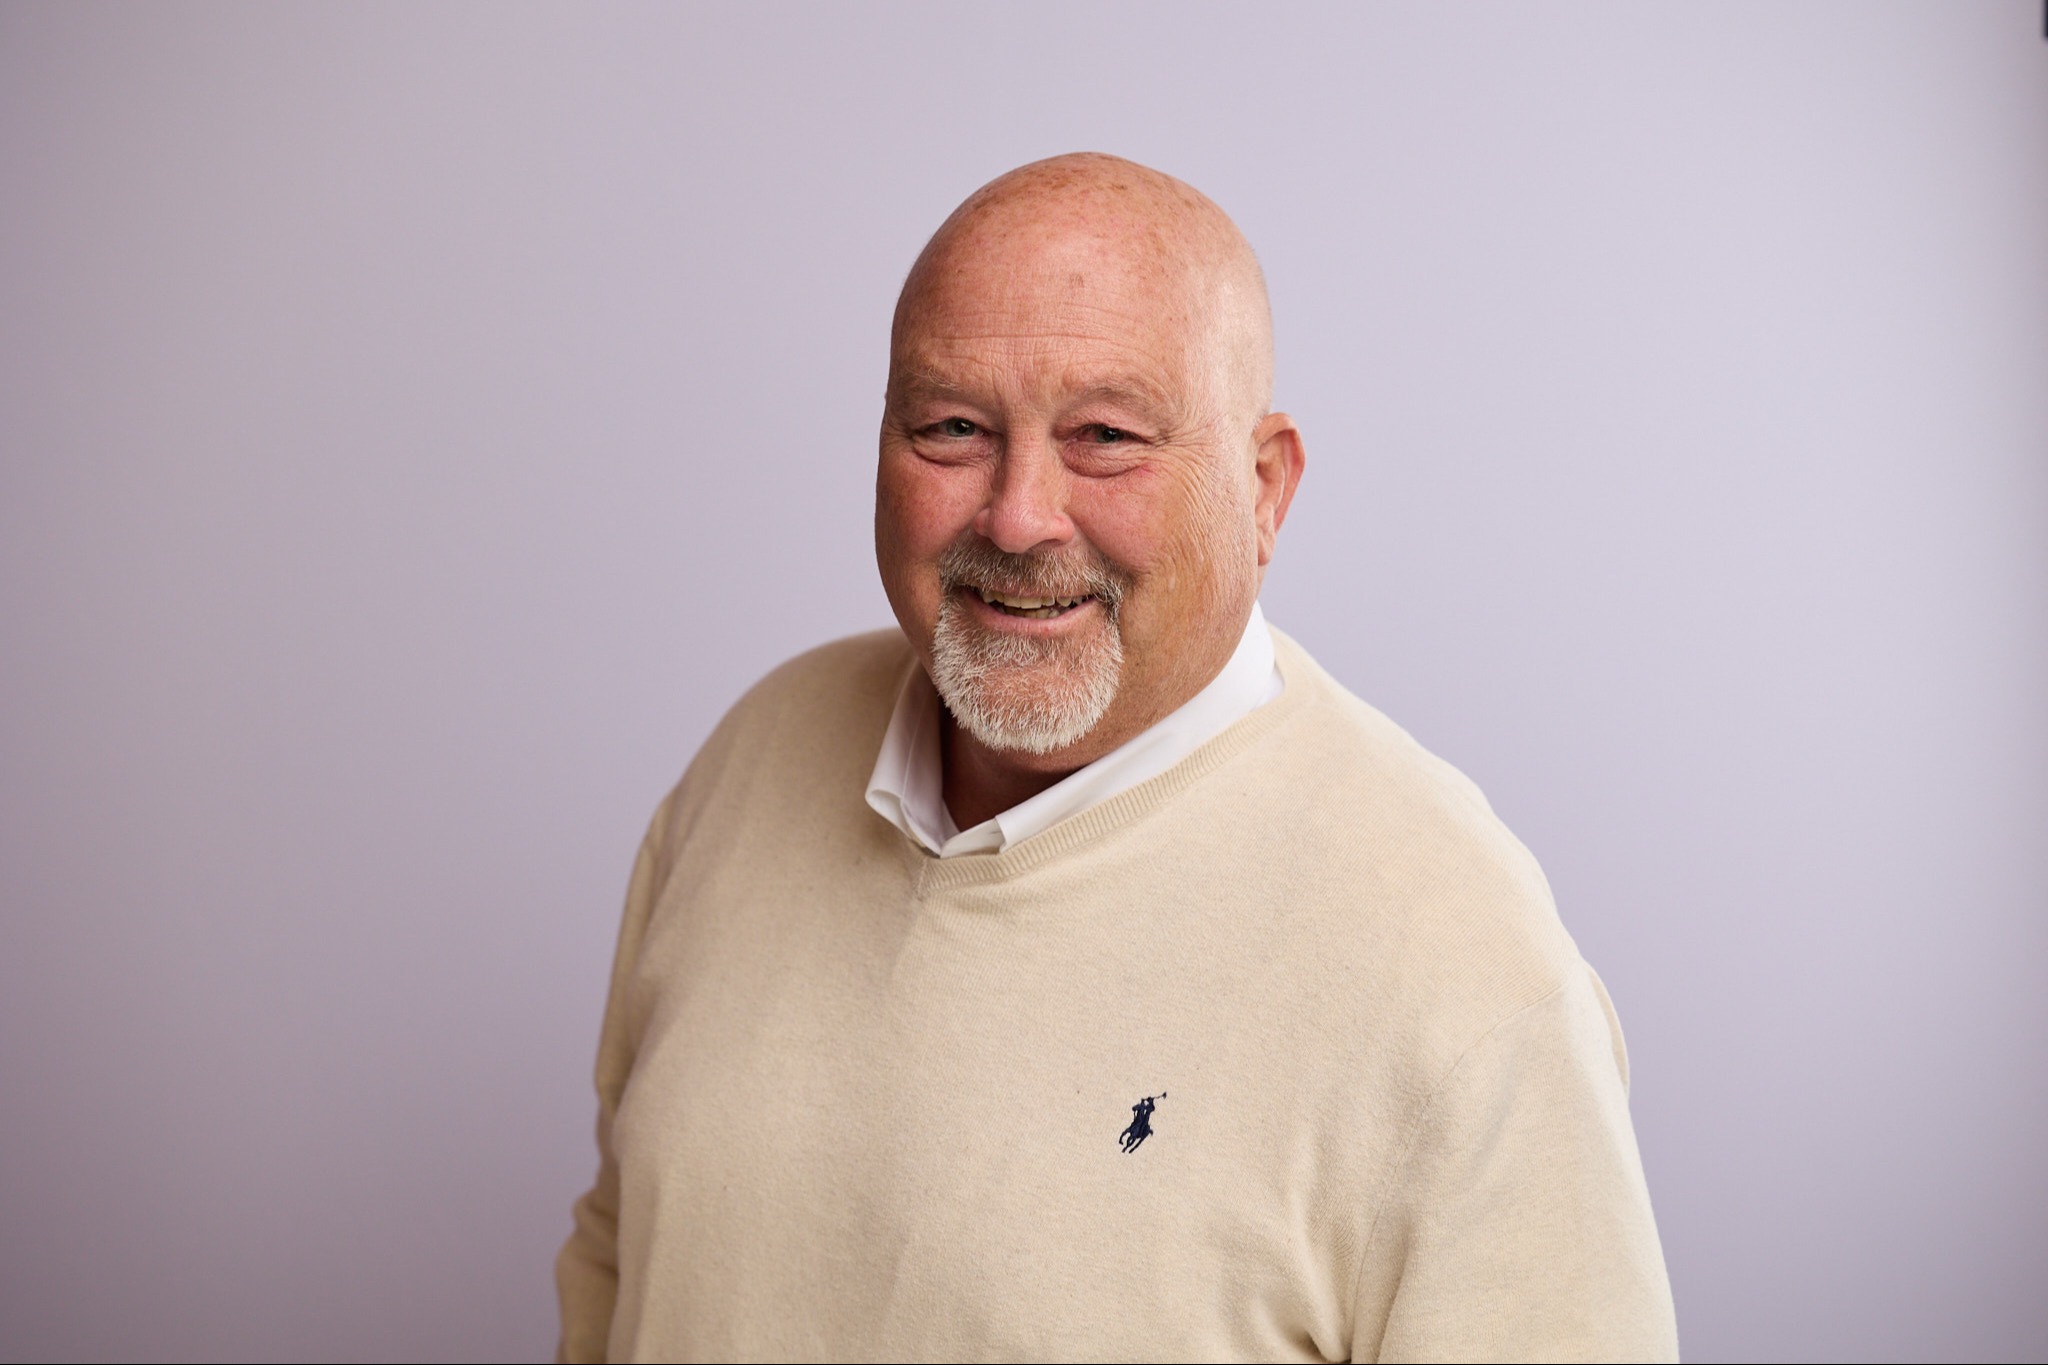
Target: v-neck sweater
{"points": [[1282, 1054]]}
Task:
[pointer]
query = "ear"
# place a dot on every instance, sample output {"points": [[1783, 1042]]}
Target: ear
{"points": [[1278, 457]]}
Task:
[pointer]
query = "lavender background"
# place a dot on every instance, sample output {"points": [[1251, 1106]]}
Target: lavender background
{"points": [[418, 424]]}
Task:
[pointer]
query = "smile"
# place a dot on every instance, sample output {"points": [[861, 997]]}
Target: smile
{"points": [[1037, 608]]}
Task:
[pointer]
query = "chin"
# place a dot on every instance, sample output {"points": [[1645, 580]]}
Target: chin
{"points": [[1022, 695]]}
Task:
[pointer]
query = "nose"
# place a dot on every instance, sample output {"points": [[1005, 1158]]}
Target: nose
{"points": [[1026, 508]]}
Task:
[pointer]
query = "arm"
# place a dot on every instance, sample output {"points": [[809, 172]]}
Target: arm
{"points": [[1519, 1225], [587, 1270]]}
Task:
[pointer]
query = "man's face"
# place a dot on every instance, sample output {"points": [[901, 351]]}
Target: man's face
{"points": [[1065, 503]]}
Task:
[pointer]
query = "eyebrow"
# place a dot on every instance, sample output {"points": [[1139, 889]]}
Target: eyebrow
{"points": [[1141, 396], [926, 385]]}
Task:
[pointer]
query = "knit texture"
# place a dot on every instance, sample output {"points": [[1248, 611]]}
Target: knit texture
{"points": [[1280, 1055]]}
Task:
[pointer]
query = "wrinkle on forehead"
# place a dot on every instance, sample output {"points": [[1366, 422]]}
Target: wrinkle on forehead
{"points": [[976, 383], [1101, 229]]}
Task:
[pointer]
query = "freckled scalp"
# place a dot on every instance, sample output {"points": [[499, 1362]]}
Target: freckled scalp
{"points": [[1072, 216]]}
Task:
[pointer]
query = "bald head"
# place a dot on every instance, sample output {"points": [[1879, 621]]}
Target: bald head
{"points": [[1101, 224], [1080, 481]]}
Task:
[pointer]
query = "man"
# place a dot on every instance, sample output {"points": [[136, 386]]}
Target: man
{"points": [[1124, 850]]}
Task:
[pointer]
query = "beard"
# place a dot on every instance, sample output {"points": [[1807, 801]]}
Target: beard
{"points": [[1014, 693]]}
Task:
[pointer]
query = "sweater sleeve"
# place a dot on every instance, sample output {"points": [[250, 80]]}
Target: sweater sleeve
{"points": [[1519, 1225], [587, 1269]]}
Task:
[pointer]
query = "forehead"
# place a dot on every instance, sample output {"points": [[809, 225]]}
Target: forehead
{"points": [[1058, 312]]}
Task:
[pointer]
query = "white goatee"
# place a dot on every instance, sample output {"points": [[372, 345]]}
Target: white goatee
{"points": [[1020, 694], [1017, 693]]}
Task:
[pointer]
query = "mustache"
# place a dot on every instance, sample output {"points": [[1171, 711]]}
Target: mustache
{"points": [[1081, 572]]}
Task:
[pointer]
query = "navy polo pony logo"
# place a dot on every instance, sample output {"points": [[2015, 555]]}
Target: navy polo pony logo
{"points": [[1141, 1123]]}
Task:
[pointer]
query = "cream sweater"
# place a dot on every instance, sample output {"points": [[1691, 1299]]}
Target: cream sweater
{"points": [[1280, 1055]]}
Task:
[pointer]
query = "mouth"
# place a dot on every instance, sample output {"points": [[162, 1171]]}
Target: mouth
{"points": [[1032, 608]]}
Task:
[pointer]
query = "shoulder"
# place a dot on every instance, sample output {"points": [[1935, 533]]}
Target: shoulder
{"points": [[829, 681], [805, 731], [1417, 874]]}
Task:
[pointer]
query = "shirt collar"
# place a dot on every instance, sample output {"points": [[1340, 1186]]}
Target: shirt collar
{"points": [[907, 786]]}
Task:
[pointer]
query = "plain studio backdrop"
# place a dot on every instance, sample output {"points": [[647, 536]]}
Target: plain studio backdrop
{"points": [[419, 424]]}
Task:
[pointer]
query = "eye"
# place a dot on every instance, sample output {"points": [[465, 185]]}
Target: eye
{"points": [[1109, 436], [959, 428]]}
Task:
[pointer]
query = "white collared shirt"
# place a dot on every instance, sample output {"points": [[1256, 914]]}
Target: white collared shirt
{"points": [[908, 790]]}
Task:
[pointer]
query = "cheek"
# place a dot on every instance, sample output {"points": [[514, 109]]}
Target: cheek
{"points": [[921, 507], [1166, 530], [1129, 520]]}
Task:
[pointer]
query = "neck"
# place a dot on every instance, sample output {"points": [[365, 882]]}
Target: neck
{"points": [[980, 782]]}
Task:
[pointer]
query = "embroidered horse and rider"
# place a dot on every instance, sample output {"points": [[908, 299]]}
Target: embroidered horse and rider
{"points": [[1141, 1123]]}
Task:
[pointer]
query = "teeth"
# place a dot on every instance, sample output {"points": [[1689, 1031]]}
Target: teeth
{"points": [[1030, 604], [1019, 603]]}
